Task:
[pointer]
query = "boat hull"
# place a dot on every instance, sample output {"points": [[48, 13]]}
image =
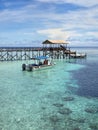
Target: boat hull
{"points": [[31, 67]]}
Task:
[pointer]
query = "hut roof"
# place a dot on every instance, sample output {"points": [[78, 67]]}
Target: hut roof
{"points": [[55, 42]]}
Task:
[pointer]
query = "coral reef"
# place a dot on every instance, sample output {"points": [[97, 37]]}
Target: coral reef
{"points": [[58, 104], [65, 111], [68, 98], [54, 118], [78, 120], [92, 110], [77, 128], [94, 126]]}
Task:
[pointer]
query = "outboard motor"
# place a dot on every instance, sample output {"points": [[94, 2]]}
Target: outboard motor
{"points": [[30, 67], [23, 67]]}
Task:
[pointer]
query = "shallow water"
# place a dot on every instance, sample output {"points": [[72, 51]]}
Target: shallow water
{"points": [[64, 97]]}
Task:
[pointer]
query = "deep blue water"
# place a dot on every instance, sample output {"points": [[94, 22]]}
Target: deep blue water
{"points": [[87, 77]]}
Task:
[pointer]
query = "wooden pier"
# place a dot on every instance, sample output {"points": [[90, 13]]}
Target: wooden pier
{"points": [[55, 49], [17, 53], [27, 53]]}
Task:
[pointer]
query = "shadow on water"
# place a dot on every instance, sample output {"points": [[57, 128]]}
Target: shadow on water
{"points": [[88, 80]]}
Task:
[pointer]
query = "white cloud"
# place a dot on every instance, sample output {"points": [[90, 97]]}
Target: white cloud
{"points": [[77, 25], [32, 12], [74, 24], [25, 13], [86, 3], [56, 33]]}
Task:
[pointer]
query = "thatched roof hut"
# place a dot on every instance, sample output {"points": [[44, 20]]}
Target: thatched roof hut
{"points": [[54, 42]]}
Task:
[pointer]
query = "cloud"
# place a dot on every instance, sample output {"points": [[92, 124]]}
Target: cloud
{"points": [[19, 13], [56, 33], [12, 16], [85, 3], [33, 13], [76, 24], [36, 21]]}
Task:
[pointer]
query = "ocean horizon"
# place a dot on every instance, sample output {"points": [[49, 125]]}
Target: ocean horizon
{"points": [[64, 97], [23, 46]]}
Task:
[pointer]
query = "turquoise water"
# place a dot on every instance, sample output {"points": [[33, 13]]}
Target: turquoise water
{"points": [[64, 97]]}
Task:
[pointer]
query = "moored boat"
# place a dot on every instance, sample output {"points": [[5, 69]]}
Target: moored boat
{"points": [[40, 62], [78, 55]]}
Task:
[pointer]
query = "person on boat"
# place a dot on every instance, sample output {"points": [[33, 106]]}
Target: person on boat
{"points": [[45, 62]]}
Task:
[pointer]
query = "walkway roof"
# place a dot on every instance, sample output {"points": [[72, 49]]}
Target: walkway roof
{"points": [[55, 42]]}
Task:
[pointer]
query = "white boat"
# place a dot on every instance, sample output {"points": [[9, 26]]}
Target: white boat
{"points": [[41, 62], [78, 55]]}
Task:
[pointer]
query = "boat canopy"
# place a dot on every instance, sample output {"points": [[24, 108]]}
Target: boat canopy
{"points": [[40, 57]]}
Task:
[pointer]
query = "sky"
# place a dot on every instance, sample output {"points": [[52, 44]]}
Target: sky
{"points": [[30, 22]]}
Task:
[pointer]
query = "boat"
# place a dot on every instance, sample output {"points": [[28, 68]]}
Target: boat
{"points": [[39, 62], [78, 55]]}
